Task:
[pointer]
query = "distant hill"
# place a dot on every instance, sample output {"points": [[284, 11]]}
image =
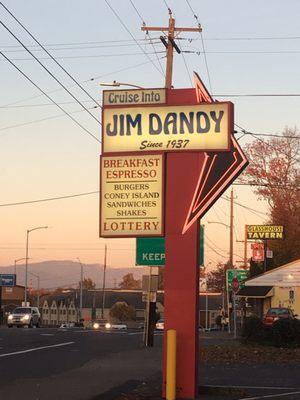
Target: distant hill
{"points": [[67, 273]]}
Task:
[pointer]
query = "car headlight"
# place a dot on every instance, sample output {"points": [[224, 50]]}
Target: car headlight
{"points": [[96, 325], [107, 325], [10, 317], [26, 317]]}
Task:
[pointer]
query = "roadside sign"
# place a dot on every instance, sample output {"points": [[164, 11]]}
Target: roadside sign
{"points": [[258, 252], [151, 251], [265, 232], [233, 275], [167, 128], [131, 195], [133, 97], [235, 285], [7, 280]]}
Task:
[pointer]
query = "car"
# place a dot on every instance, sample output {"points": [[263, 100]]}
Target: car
{"points": [[106, 325], [24, 316], [160, 325], [276, 313]]}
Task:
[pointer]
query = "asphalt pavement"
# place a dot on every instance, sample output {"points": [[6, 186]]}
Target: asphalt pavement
{"points": [[77, 364]]}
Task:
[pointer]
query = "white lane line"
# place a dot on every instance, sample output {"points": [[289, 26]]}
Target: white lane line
{"points": [[269, 396], [46, 334], [254, 387], [36, 349]]}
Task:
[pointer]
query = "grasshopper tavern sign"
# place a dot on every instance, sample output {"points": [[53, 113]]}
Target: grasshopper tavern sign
{"points": [[168, 128]]}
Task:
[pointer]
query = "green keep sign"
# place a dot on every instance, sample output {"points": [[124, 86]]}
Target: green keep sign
{"points": [[240, 274], [151, 251]]}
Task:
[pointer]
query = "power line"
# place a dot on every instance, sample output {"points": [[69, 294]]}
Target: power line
{"points": [[48, 97], [49, 199], [52, 58], [202, 42], [127, 29], [41, 120], [46, 105], [50, 73], [91, 56], [259, 95], [147, 33], [84, 81]]}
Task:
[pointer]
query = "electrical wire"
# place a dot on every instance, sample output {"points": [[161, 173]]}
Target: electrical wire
{"points": [[49, 199], [203, 45], [259, 95], [50, 98], [84, 81], [53, 59], [42, 119], [50, 73], [147, 33], [128, 31]]}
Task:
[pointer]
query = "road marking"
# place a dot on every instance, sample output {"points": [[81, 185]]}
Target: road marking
{"points": [[254, 387], [36, 349], [269, 396], [46, 334]]}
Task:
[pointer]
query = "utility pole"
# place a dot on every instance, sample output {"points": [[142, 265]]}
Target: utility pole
{"points": [[103, 284], [81, 289], [170, 44], [231, 231]]}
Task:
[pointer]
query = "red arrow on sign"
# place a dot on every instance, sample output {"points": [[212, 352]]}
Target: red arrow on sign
{"points": [[218, 171]]}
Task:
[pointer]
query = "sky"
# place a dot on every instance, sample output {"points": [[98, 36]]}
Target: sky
{"points": [[251, 48]]}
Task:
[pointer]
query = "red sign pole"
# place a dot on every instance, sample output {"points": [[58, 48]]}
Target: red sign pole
{"points": [[182, 271]]}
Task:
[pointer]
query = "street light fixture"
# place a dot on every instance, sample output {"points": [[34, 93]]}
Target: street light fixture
{"points": [[15, 268], [118, 84], [26, 258]]}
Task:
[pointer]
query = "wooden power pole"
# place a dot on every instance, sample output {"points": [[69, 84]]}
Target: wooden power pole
{"points": [[170, 44]]}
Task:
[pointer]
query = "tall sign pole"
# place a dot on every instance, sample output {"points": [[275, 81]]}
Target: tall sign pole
{"points": [[167, 156]]}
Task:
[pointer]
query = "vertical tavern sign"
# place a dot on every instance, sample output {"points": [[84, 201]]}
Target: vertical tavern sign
{"points": [[131, 195]]}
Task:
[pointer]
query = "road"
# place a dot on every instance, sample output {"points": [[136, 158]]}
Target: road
{"points": [[73, 364], [76, 364]]}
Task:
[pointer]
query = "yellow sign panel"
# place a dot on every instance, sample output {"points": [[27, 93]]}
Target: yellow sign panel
{"points": [[131, 196], [167, 128], [131, 97], [265, 232]]}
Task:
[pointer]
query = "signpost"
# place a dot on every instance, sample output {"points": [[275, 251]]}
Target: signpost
{"points": [[236, 275], [8, 280], [193, 137], [265, 232], [151, 251]]}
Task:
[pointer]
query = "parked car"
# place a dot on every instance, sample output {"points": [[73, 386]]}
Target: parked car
{"points": [[160, 325], [274, 314], [24, 316], [106, 325]]}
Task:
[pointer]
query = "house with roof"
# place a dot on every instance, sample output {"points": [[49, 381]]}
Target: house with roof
{"points": [[279, 287]]}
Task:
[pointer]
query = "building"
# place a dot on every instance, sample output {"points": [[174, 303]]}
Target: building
{"points": [[279, 287], [12, 297], [64, 307]]}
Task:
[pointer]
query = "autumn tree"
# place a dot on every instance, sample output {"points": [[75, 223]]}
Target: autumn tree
{"points": [[275, 170], [87, 284], [216, 279], [122, 312], [128, 282]]}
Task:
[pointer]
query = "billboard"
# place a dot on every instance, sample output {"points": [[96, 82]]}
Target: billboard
{"points": [[167, 128], [131, 195], [265, 232], [7, 279]]}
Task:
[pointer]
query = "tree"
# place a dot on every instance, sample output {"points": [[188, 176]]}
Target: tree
{"points": [[216, 279], [87, 284], [121, 311], [275, 168], [128, 282]]}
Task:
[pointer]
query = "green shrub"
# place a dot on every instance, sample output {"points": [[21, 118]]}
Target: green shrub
{"points": [[253, 329], [286, 332]]}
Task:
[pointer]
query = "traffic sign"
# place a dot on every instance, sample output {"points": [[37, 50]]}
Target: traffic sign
{"points": [[7, 279], [151, 251], [235, 285], [236, 274]]}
